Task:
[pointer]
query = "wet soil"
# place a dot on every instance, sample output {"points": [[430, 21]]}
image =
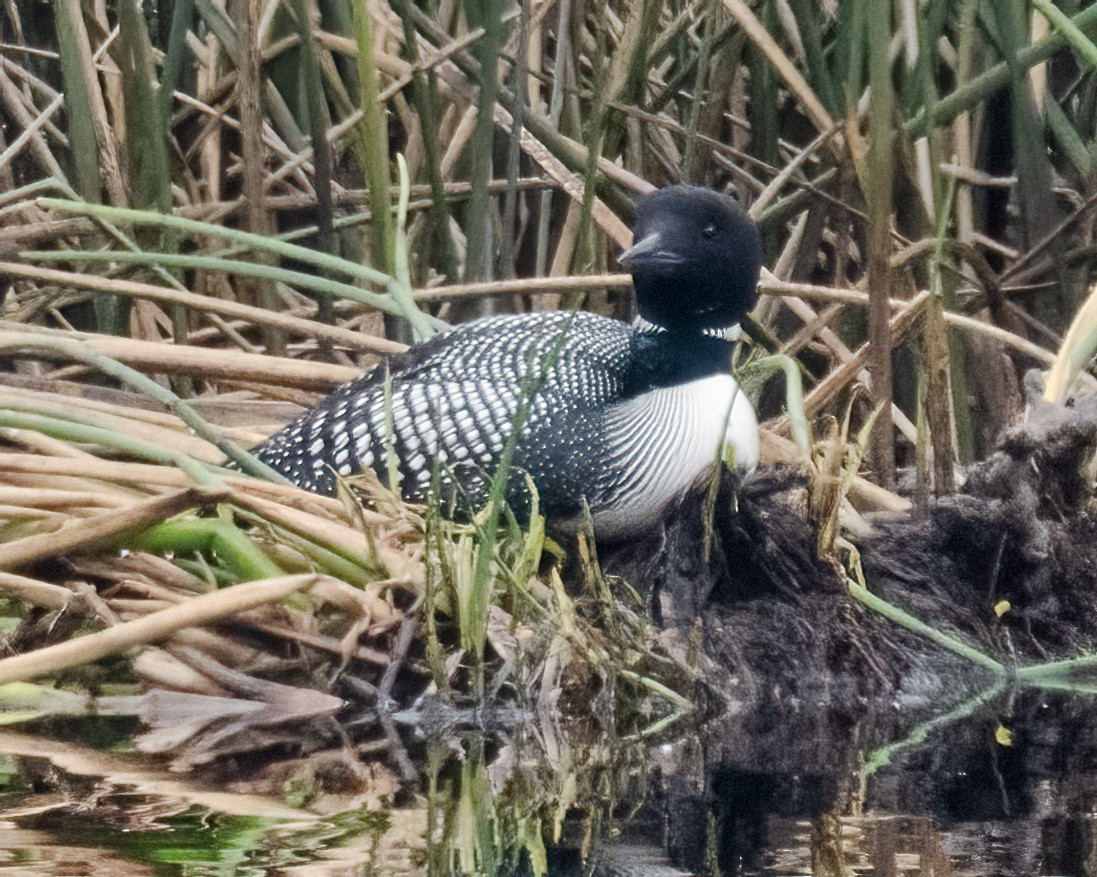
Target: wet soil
{"points": [[824, 708]]}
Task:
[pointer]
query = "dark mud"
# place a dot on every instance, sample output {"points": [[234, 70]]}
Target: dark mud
{"points": [[1007, 565], [824, 708]]}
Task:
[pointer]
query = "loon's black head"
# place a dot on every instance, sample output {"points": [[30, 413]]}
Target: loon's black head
{"points": [[695, 259]]}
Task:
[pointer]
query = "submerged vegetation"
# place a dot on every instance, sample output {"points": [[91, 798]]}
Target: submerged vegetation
{"points": [[212, 212]]}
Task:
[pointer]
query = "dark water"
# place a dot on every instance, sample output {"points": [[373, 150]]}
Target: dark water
{"points": [[1002, 784]]}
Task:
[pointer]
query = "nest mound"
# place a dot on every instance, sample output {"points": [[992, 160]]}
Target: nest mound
{"points": [[1007, 567], [268, 622]]}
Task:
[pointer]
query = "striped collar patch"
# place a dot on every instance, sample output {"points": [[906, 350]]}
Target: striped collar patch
{"points": [[730, 334]]}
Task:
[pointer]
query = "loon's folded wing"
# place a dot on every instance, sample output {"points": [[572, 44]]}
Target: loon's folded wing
{"points": [[452, 402]]}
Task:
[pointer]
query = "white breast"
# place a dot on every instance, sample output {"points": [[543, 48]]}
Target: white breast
{"points": [[666, 440]]}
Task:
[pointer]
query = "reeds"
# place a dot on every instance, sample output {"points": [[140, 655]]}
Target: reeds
{"points": [[253, 206]]}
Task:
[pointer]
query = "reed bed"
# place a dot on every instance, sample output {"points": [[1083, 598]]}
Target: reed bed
{"points": [[257, 605], [212, 212]]}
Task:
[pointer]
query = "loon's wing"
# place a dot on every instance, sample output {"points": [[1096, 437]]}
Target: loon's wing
{"points": [[452, 403]]}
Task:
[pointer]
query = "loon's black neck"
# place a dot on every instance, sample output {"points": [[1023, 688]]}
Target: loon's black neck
{"points": [[664, 358]]}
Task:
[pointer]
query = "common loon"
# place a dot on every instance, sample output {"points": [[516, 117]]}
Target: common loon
{"points": [[614, 419]]}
